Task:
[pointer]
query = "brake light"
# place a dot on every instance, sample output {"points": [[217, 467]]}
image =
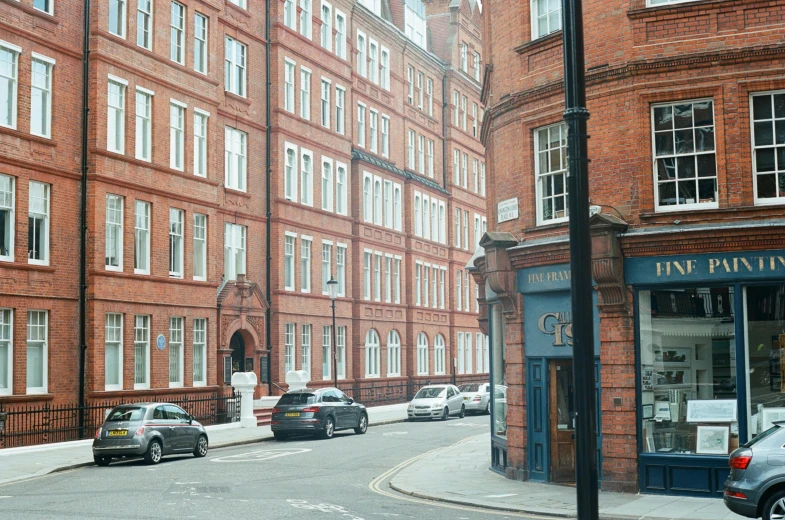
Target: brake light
{"points": [[477, 398], [735, 494], [740, 462], [139, 431], [276, 410], [98, 433], [312, 409]]}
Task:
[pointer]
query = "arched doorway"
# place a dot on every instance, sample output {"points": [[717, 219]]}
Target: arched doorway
{"points": [[237, 344]]}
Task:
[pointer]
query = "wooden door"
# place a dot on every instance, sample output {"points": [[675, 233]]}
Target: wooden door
{"points": [[562, 415]]}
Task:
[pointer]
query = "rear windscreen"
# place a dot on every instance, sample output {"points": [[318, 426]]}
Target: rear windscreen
{"points": [[296, 399], [430, 393], [469, 388], [125, 414], [762, 436]]}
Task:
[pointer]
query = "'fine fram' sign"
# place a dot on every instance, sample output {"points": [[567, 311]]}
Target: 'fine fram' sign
{"points": [[507, 210]]}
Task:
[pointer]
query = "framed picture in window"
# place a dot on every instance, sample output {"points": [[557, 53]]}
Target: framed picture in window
{"points": [[712, 440], [648, 411]]}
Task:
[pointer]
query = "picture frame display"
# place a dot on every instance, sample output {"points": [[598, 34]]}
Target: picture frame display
{"points": [[712, 440], [708, 411]]}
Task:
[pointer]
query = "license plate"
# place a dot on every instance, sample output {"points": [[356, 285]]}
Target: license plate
{"points": [[293, 414], [118, 433], [465, 398]]}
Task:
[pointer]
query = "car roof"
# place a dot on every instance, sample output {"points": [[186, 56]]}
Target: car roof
{"points": [[445, 385], [146, 404], [309, 390]]}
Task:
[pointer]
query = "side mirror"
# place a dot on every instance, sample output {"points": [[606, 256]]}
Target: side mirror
{"points": [[351, 401], [190, 419]]}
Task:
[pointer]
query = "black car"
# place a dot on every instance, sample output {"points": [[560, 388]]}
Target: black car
{"points": [[318, 412]]}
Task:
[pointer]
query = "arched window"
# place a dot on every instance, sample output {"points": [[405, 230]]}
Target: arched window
{"points": [[417, 221], [377, 202], [422, 354], [367, 207], [393, 354], [371, 354], [397, 208], [438, 355], [426, 219]]}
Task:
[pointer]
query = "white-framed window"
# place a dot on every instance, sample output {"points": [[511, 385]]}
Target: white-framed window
{"points": [[37, 352], [385, 136], [234, 250], [117, 14], [377, 277], [374, 131], [141, 237], [288, 342], [306, 177], [410, 162], [655, 3], [289, 14], [476, 66], [768, 146], [463, 113], [177, 34], [340, 34], [341, 189], [417, 283], [421, 153], [438, 355], [467, 357], [176, 352], [546, 17], [115, 123], [550, 150], [426, 219], [482, 179], [327, 25], [235, 159], [7, 217], [361, 125], [144, 124], [200, 352], [442, 222], [290, 172], [9, 83], [397, 210], [340, 102], [234, 71], [305, 348], [426, 284], [434, 219], [393, 354], [327, 354], [288, 261], [200, 142], [442, 276], [420, 90], [176, 135], [458, 290], [240, 3], [417, 215], [340, 345], [306, 18], [456, 167], [476, 231], [141, 352], [459, 353], [288, 88], [422, 354], [685, 164], [458, 228], [38, 224], [176, 217], [367, 197], [327, 184], [397, 278], [466, 230], [410, 85], [367, 275], [474, 119], [388, 278], [325, 101], [478, 347], [384, 76], [465, 170], [114, 233], [340, 268], [377, 201], [41, 95], [362, 60], [429, 96], [113, 352], [144, 24], [456, 112], [373, 61], [467, 293], [388, 204], [201, 51], [46, 6], [414, 21], [200, 247], [372, 360], [375, 6], [476, 174], [327, 265], [464, 57], [305, 93]]}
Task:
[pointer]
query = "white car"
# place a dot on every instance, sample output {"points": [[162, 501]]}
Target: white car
{"points": [[476, 397], [436, 402]]}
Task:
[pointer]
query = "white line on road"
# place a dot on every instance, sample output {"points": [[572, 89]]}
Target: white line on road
{"points": [[6, 496], [502, 496], [255, 456]]}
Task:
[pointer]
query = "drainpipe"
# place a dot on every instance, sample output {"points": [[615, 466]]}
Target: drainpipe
{"points": [[83, 222], [268, 165], [444, 131]]}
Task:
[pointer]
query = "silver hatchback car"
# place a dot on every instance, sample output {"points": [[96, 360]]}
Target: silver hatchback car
{"points": [[436, 402], [149, 430]]}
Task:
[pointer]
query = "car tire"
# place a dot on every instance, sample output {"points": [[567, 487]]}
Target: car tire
{"points": [[410, 419], [280, 436], [201, 446], [102, 460], [488, 408], [154, 452], [463, 412], [445, 414], [362, 426], [328, 430], [775, 505]]}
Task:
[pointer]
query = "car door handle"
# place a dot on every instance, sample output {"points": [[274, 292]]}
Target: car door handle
{"points": [[171, 427]]}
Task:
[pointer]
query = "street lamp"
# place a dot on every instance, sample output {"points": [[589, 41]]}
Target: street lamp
{"points": [[332, 290]]}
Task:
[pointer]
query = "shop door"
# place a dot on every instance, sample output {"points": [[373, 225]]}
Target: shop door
{"points": [[562, 415]]}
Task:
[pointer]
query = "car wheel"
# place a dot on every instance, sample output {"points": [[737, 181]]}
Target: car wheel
{"points": [[445, 414], [280, 436], [329, 428], [154, 452], [488, 408], [201, 446], [101, 460], [774, 508], [463, 412], [362, 426]]}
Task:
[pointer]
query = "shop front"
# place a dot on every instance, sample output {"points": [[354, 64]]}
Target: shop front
{"points": [[709, 331]]}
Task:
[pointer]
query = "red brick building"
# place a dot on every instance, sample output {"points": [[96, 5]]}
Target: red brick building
{"points": [[217, 209], [687, 106]]}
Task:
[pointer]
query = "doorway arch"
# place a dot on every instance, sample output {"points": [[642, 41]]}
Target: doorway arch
{"points": [[237, 345]]}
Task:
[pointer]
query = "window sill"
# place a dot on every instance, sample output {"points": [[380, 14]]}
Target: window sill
{"points": [[27, 266], [237, 97], [237, 192], [553, 38], [689, 5], [26, 398], [43, 15], [28, 137]]}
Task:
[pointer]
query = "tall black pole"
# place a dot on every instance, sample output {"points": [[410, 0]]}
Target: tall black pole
{"points": [[576, 117], [335, 352]]}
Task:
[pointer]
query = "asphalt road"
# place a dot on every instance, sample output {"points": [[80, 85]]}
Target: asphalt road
{"points": [[343, 478]]}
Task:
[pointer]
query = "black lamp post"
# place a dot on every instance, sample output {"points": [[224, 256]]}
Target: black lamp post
{"points": [[332, 290]]}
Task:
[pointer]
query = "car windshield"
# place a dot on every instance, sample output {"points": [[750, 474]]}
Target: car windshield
{"points": [[430, 393], [125, 414], [469, 388], [296, 399], [768, 433]]}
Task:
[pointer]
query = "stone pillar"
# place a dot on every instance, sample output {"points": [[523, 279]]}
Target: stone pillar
{"points": [[297, 379], [245, 384]]}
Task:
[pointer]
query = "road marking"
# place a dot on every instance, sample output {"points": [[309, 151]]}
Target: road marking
{"points": [[324, 508], [472, 425], [255, 456], [502, 496], [388, 434], [6, 496]]}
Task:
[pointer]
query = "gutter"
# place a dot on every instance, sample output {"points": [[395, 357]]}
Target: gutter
{"points": [[268, 166], [444, 131]]}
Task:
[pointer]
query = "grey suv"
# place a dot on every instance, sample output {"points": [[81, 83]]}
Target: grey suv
{"points": [[756, 484]]}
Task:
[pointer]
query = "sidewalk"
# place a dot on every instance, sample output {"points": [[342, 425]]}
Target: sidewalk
{"points": [[33, 461], [460, 474]]}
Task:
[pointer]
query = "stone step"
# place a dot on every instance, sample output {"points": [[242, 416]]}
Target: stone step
{"points": [[263, 416]]}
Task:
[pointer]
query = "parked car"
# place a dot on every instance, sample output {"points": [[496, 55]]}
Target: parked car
{"points": [[149, 430], [476, 397], [756, 484], [318, 412], [436, 402]]}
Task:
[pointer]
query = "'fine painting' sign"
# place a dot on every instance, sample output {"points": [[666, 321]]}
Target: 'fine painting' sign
{"points": [[706, 267]]}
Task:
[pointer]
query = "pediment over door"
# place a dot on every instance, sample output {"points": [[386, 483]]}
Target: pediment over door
{"points": [[243, 308]]}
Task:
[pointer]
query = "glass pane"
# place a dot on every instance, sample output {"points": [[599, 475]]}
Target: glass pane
{"points": [[761, 107], [704, 139], [498, 375], [764, 160], [663, 118], [703, 113], [764, 133], [779, 105], [707, 166], [663, 143], [766, 186], [686, 167], [707, 190], [688, 357], [687, 192], [684, 141], [682, 116], [667, 192], [565, 403], [779, 132], [666, 169]]}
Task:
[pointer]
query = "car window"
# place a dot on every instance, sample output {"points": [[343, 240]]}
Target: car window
{"points": [[159, 413], [125, 414], [768, 433], [175, 413], [342, 396], [297, 399], [466, 389], [328, 397], [499, 393], [431, 392]]}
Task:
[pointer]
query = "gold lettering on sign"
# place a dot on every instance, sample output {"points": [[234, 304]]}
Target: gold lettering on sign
{"points": [[736, 264], [558, 325]]}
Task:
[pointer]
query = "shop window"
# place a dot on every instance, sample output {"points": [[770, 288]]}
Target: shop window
{"points": [[498, 373], [688, 369]]}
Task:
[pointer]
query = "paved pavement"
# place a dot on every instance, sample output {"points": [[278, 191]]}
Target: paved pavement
{"points": [[33, 461], [459, 474]]}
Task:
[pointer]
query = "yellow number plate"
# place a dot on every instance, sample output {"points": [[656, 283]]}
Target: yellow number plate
{"points": [[118, 433], [293, 414]]}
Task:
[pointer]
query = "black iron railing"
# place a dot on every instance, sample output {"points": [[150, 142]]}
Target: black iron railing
{"points": [[379, 393]]}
